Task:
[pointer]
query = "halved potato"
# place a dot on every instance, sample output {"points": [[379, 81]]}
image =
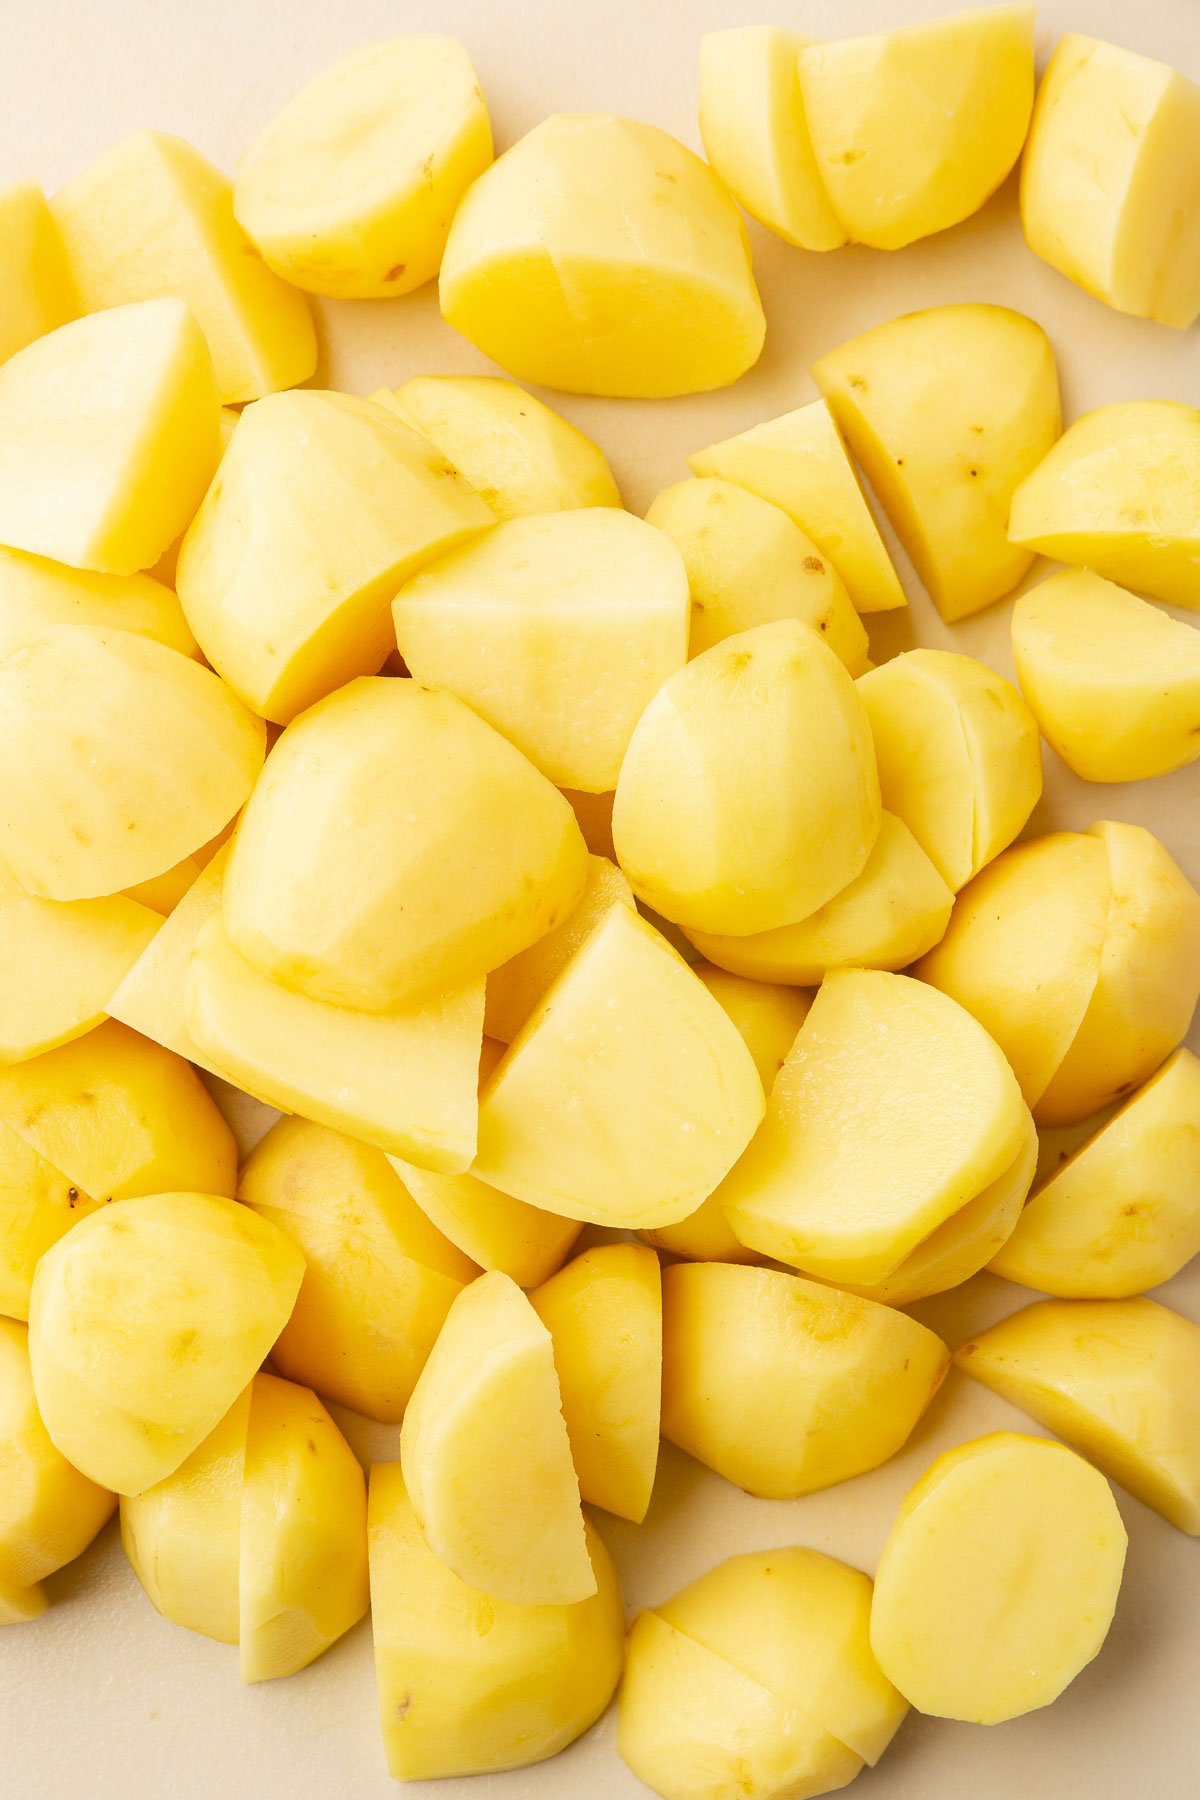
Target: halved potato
{"points": [[37, 293], [519, 985], [36, 594]]}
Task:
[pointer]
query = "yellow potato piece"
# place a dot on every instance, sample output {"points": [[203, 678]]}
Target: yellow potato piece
{"points": [[958, 755], [397, 845], [693, 1727], [913, 129], [486, 1457], [998, 1581], [1118, 1379], [748, 564], [402, 1080], [1113, 682], [948, 411], [37, 1205], [37, 293], [890, 914], [755, 132], [351, 189], [1120, 492], [117, 758], [36, 595], [517, 453], [799, 462], [152, 998], [784, 1386], [1120, 1215], [748, 796], [303, 1563], [472, 1685], [604, 1316], [519, 985], [108, 437], [150, 218], [893, 1110], [323, 505], [601, 257], [146, 1322], [767, 1014], [628, 1093], [162, 893], [379, 1278], [558, 629], [1110, 184]]}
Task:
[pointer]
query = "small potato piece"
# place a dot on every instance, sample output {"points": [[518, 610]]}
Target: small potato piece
{"points": [[117, 758], [351, 190], [767, 1014], [517, 453], [1113, 682], [628, 1093], [396, 846], [998, 1581], [36, 594], [748, 796], [152, 999], [890, 914], [604, 1316], [1118, 492], [948, 411], [108, 437], [37, 293], [146, 1322], [485, 1453], [151, 217], [379, 1278], [958, 755], [800, 463], [518, 986], [1121, 1214], [748, 564], [600, 256], [323, 505], [37, 1205], [472, 1685], [1118, 1379], [1110, 184], [913, 129], [558, 629], [785, 1386], [755, 132]]}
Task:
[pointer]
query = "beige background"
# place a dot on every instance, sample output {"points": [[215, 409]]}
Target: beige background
{"points": [[103, 1698]]}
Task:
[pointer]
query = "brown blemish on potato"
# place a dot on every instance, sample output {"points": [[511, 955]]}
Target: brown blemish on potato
{"points": [[846, 158], [404, 1706], [395, 272], [814, 565], [857, 382]]}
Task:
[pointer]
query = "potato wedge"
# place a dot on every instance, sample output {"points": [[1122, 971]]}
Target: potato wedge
{"points": [[36, 595], [35, 280]]}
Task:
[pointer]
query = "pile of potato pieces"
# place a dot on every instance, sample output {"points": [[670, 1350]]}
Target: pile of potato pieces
{"points": [[522, 945]]}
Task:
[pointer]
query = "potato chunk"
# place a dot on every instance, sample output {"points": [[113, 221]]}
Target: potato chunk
{"points": [[1110, 185], [37, 293], [948, 411], [1113, 682], [351, 190], [998, 1581], [469, 1684], [108, 437], [600, 256], [36, 595], [152, 999], [518, 986]]}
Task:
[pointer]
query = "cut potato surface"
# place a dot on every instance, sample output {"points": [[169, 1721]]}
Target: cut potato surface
{"points": [[519, 985], [37, 1205], [558, 629], [152, 998], [351, 190], [36, 594], [37, 293], [600, 256], [998, 1582]]}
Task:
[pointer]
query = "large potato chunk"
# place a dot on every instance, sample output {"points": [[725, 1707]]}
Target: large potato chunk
{"points": [[600, 256], [108, 437], [36, 594], [152, 217], [748, 796], [117, 758], [322, 507], [785, 1386], [1113, 682], [1110, 185], [145, 1324], [351, 190], [1117, 493], [628, 1093], [948, 411], [397, 845], [486, 1457], [36, 291], [558, 629], [469, 1684], [1118, 1379]]}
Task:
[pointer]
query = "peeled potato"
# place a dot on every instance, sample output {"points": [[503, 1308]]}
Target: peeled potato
{"points": [[518, 986], [152, 998], [351, 190], [37, 293], [600, 256], [36, 594]]}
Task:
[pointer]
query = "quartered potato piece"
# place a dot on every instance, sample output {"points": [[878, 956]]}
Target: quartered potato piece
{"points": [[37, 293]]}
